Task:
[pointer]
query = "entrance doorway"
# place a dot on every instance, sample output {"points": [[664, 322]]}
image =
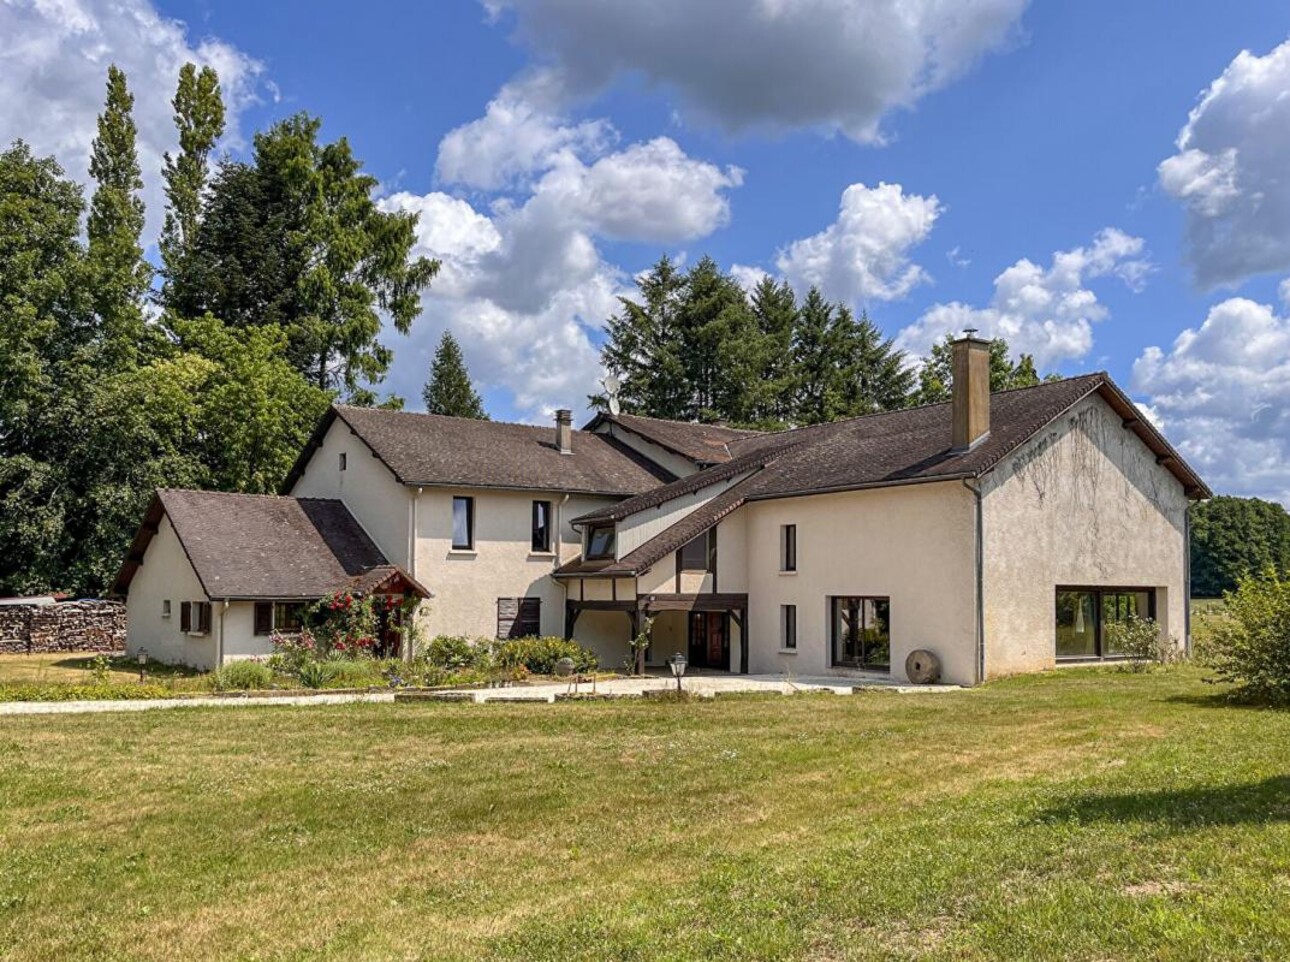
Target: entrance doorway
{"points": [[710, 639]]}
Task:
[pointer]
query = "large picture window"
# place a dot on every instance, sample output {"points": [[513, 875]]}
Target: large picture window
{"points": [[1084, 614], [862, 633]]}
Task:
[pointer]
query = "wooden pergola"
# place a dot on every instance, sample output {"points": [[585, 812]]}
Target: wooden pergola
{"points": [[644, 606]]}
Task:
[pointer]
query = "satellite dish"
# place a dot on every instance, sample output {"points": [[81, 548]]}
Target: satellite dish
{"points": [[612, 385], [614, 407]]}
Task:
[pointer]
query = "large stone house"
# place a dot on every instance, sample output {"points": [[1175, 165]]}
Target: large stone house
{"points": [[1004, 533]]}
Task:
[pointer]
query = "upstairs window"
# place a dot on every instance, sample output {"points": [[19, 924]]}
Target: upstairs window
{"points": [[344, 461], [463, 523], [600, 542], [700, 554], [541, 525], [788, 547]]}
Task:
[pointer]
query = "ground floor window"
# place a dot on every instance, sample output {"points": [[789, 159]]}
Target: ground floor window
{"points": [[285, 617], [1083, 615], [862, 633]]}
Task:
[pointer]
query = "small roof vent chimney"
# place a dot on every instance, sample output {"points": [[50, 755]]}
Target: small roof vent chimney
{"points": [[971, 391], [564, 431]]}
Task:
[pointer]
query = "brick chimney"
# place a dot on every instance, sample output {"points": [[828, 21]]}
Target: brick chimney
{"points": [[564, 431], [971, 391]]}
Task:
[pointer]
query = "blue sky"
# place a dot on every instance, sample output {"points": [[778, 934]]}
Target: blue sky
{"points": [[1036, 183]]}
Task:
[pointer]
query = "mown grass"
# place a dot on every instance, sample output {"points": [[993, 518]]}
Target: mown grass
{"points": [[1076, 815]]}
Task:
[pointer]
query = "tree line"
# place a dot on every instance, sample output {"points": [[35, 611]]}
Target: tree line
{"points": [[209, 370], [694, 346]]}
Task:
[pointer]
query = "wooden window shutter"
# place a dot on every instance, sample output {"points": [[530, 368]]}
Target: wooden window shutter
{"points": [[186, 616], [204, 617], [519, 617], [264, 617]]}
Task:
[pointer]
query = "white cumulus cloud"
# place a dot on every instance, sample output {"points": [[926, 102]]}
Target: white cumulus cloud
{"points": [[864, 254], [1229, 171], [1222, 392], [1048, 312], [776, 64], [524, 285], [54, 57]]}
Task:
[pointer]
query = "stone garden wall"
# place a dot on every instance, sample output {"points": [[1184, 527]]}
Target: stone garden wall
{"points": [[64, 626]]}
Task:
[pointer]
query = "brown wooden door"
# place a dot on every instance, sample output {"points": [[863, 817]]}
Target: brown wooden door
{"points": [[709, 640]]}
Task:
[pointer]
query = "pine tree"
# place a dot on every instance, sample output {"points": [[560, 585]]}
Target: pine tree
{"points": [[818, 344], [716, 331], [643, 348], [875, 375], [449, 390], [199, 117], [774, 311], [121, 275]]}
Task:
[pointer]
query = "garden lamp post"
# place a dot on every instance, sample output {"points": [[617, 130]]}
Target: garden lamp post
{"points": [[677, 663], [143, 662]]}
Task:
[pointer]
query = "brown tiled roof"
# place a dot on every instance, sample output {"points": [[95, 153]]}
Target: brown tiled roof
{"points": [[700, 443], [878, 450], [245, 546], [429, 449]]}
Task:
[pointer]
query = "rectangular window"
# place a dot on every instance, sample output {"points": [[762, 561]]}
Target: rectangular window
{"points": [[343, 461], [463, 523], [1084, 614], [519, 617], [788, 630], [195, 617], [288, 617], [600, 542], [541, 525], [165, 608], [700, 554], [788, 547], [862, 633]]}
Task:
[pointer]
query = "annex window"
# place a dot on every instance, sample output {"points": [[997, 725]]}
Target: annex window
{"points": [[344, 459], [195, 617], [1084, 614], [541, 526], [700, 554], [287, 617], [788, 547], [600, 542], [862, 633], [165, 608], [463, 523], [519, 617], [788, 627]]}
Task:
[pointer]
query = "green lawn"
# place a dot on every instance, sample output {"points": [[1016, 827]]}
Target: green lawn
{"points": [[1076, 815]]}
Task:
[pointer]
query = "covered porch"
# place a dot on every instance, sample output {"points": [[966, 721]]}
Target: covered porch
{"points": [[711, 629]]}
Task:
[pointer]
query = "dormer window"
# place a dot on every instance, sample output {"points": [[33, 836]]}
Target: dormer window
{"points": [[600, 542]]}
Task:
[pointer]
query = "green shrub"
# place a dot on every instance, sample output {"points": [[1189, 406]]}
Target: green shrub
{"points": [[539, 655], [242, 676], [1140, 640], [1251, 646], [354, 673], [454, 652], [316, 674]]}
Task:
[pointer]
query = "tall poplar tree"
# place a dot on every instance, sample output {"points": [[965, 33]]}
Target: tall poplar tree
{"points": [[199, 118], [449, 390], [115, 226]]}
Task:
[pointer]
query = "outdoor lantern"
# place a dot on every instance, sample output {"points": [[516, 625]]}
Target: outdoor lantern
{"points": [[143, 662], [677, 663]]}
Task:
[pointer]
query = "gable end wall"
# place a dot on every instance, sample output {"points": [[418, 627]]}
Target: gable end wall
{"points": [[1084, 503]]}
